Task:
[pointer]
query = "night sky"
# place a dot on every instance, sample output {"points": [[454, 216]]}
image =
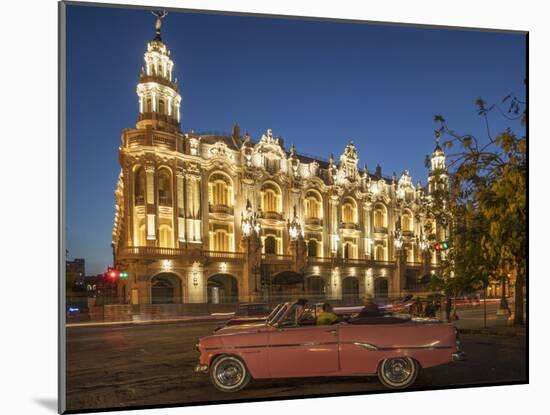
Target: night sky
{"points": [[316, 84]]}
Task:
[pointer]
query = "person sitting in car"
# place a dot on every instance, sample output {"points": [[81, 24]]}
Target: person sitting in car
{"points": [[370, 309], [327, 316]]}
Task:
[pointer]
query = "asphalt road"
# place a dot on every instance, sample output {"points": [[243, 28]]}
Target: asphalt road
{"points": [[135, 365]]}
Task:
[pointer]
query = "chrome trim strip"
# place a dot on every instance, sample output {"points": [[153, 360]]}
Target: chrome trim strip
{"points": [[258, 346], [368, 346]]}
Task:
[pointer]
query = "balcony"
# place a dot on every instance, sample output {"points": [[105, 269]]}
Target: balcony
{"points": [[136, 141], [408, 233], [349, 261], [414, 264], [153, 252], [380, 229], [165, 201], [276, 258], [223, 209], [224, 255], [271, 215], [140, 200], [314, 222], [164, 141], [158, 79], [350, 225]]}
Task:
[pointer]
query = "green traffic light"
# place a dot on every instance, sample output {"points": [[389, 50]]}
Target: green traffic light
{"points": [[445, 245]]}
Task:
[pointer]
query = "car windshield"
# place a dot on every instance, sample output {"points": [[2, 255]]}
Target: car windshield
{"points": [[277, 313], [291, 317], [274, 311]]}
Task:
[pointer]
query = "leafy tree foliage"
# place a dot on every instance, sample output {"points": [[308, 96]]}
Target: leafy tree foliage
{"points": [[486, 205]]}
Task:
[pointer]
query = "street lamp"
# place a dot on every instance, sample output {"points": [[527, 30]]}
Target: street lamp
{"points": [[294, 227], [398, 239], [368, 244], [249, 221]]}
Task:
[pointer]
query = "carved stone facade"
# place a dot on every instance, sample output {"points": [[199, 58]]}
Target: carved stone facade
{"points": [[215, 218]]}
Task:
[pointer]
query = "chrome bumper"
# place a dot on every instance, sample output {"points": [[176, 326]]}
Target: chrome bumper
{"points": [[200, 368], [458, 356]]}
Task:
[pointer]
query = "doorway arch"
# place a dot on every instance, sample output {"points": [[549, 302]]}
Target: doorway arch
{"points": [[350, 290], [222, 289], [315, 288], [166, 289], [381, 288]]}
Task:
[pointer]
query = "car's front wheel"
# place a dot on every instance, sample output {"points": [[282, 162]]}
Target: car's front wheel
{"points": [[229, 374], [398, 372]]}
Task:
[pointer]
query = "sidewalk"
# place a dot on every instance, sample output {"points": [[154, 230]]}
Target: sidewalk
{"points": [[498, 325], [140, 320]]}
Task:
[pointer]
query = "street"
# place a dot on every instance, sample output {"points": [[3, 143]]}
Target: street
{"points": [[151, 364]]}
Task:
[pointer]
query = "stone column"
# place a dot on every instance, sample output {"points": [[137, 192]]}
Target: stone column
{"points": [[129, 201], [251, 268], [333, 211], [150, 204], [179, 206], [193, 209], [398, 280]]}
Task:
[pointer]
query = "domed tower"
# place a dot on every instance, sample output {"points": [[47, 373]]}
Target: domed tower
{"points": [[438, 177], [158, 92]]}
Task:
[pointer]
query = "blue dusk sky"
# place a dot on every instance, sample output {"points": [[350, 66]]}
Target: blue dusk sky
{"points": [[318, 84]]}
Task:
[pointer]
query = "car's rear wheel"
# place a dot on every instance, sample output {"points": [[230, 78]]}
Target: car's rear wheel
{"points": [[229, 374], [398, 372]]}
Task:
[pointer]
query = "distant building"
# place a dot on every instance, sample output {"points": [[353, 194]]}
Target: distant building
{"points": [[75, 271], [224, 218]]}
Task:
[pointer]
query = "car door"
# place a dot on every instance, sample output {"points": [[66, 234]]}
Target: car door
{"points": [[302, 351]]}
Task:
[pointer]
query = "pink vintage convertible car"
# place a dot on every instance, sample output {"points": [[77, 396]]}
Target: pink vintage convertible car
{"points": [[392, 348]]}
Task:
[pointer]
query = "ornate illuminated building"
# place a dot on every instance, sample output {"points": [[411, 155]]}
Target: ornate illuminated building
{"points": [[213, 218]]}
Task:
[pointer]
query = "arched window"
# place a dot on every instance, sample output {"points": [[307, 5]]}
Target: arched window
{"points": [[165, 187], [139, 187], [141, 237], [220, 190], [149, 106], [270, 245], [349, 211], [165, 236], [380, 217], [313, 205], [221, 237], [380, 253], [349, 250], [312, 248], [221, 241], [161, 106], [407, 223], [271, 198]]}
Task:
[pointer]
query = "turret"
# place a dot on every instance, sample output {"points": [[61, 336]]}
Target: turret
{"points": [[157, 91], [438, 169]]}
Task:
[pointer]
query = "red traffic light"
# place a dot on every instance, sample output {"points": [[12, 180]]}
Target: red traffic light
{"points": [[112, 273], [437, 246]]}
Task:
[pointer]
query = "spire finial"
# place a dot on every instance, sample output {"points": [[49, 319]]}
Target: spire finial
{"points": [[161, 14]]}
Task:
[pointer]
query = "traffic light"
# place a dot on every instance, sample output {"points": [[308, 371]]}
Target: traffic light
{"points": [[112, 273], [123, 274], [441, 246]]}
